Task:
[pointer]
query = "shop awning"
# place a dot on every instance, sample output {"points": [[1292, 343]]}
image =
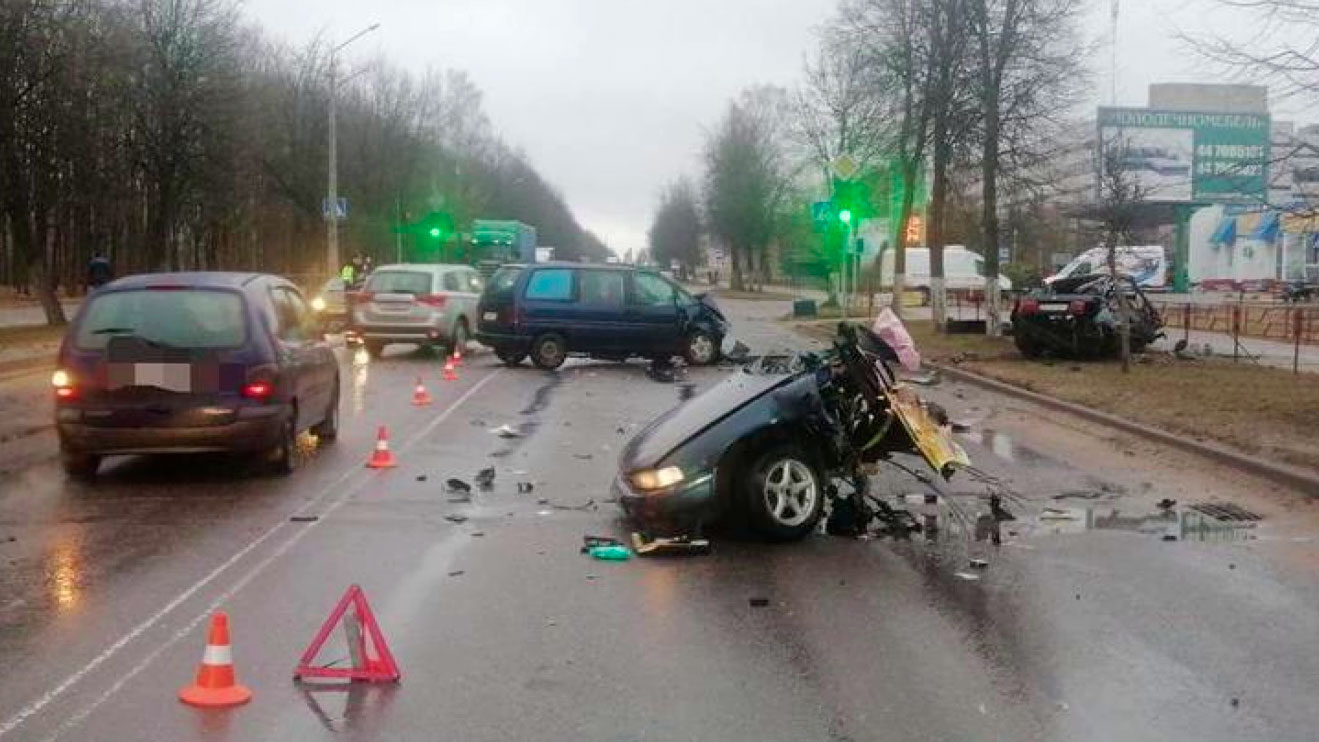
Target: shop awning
{"points": [[1270, 224], [1226, 233]]}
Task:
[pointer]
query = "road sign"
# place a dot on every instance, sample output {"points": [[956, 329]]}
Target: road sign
{"points": [[1004, 254], [845, 167], [822, 212], [340, 210]]}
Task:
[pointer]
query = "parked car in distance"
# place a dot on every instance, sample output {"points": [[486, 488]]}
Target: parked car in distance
{"points": [[193, 362], [552, 310], [432, 305], [1078, 316], [331, 305]]}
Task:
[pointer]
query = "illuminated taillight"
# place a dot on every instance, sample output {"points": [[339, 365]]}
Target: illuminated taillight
{"points": [[1077, 307], [434, 300], [63, 382], [258, 390], [1028, 306]]}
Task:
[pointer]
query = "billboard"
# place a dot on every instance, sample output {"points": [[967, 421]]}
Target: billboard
{"points": [[1188, 157]]}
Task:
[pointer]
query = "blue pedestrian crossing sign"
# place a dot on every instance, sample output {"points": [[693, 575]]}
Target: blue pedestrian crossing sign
{"points": [[340, 209]]}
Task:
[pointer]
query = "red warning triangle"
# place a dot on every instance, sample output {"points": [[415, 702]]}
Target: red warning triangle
{"points": [[372, 661]]}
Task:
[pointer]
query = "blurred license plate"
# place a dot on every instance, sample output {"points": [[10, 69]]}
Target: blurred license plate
{"points": [[176, 377], [490, 316], [1053, 307]]}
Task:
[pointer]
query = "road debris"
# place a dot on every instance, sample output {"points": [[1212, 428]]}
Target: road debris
{"points": [[460, 500], [931, 378], [590, 542], [455, 518], [588, 505], [457, 485], [485, 479], [759, 602], [968, 576], [1166, 503], [421, 477], [506, 431], [979, 564], [294, 519], [477, 534], [646, 546], [611, 553], [583, 456], [525, 488], [457, 573], [1056, 514], [1079, 495]]}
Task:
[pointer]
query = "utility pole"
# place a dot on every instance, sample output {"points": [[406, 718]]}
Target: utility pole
{"points": [[332, 174]]}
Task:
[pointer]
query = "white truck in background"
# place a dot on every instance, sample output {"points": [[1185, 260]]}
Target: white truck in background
{"points": [[1146, 264]]}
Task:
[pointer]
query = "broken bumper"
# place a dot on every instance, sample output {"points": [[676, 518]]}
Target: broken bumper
{"points": [[677, 510]]}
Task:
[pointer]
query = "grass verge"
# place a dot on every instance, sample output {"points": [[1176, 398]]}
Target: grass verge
{"points": [[1265, 411]]}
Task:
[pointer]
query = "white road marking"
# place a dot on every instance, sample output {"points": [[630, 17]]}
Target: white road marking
{"points": [[49, 696]]}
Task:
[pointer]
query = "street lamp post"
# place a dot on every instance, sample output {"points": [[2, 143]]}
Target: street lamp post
{"points": [[332, 175]]}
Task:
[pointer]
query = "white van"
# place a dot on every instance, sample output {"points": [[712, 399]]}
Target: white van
{"points": [[1146, 264], [963, 270]]}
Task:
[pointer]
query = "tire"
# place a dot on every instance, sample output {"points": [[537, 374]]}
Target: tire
{"points": [[328, 428], [784, 494], [549, 351], [80, 466], [701, 349], [459, 337], [1025, 344], [284, 456], [511, 357], [373, 348]]}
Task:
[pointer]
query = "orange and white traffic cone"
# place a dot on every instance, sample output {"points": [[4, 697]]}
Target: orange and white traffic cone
{"points": [[450, 373], [457, 357], [420, 397], [216, 685], [382, 457]]}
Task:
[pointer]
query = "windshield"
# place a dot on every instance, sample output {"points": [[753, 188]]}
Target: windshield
{"points": [[189, 318], [501, 284]]}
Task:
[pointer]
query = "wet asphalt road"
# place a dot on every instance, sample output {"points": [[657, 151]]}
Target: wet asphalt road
{"points": [[1086, 626]]}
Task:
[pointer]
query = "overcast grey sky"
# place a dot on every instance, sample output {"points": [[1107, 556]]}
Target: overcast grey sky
{"points": [[611, 98]]}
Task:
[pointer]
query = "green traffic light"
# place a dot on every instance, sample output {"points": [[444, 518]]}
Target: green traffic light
{"points": [[845, 216], [435, 231]]}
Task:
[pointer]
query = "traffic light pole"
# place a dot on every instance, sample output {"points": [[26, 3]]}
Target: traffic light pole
{"points": [[332, 171]]}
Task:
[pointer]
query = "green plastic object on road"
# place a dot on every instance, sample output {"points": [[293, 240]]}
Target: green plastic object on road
{"points": [[611, 553]]}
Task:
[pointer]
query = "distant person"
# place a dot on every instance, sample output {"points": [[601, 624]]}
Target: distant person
{"points": [[99, 272], [347, 274]]}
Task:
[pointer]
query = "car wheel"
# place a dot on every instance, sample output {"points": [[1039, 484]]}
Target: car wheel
{"points": [[283, 458], [784, 494], [511, 357], [549, 351], [459, 337], [373, 348], [701, 349], [328, 428], [80, 466], [1026, 345]]}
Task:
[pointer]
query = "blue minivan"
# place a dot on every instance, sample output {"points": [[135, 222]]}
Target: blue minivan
{"points": [[552, 310]]}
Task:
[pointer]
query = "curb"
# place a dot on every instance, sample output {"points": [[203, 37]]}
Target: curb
{"points": [[1305, 482]]}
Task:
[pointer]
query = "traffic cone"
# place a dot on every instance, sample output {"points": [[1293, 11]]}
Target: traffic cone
{"points": [[382, 457], [216, 686], [457, 357], [450, 373], [420, 397]]}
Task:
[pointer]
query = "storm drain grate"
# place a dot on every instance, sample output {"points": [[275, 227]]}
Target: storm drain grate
{"points": [[1225, 511]]}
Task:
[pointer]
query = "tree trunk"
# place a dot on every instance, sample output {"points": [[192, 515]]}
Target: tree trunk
{"points": [[1123, 327], [909, 174], [735, 280], [935, 224], [989, 216]]}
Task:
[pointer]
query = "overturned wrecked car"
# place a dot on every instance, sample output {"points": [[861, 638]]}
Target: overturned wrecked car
{"points": [[768, 444], [1078, 316]]}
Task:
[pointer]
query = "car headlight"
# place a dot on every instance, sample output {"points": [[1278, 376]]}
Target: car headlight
{"points": [[655, 479], [61, 378], [318, 304]]}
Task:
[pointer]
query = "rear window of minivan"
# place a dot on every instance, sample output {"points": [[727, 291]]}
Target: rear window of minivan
{"points": [[179, 318], [399, 282], [502, 283]]}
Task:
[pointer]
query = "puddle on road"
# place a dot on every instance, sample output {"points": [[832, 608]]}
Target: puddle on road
{"points": [[1005, 447]]}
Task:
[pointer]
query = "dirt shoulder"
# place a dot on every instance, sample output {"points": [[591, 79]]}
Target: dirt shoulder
{"points": [[1264, 411]]}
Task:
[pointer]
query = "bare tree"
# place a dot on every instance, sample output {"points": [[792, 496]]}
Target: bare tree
{"points": [[675, 234], [1281, 49], [1018, 45], [1118, 206], [748, 175]]}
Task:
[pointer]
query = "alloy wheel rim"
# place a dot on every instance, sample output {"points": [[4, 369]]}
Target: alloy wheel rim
{"points": [[702, 348], [790, 492]]}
